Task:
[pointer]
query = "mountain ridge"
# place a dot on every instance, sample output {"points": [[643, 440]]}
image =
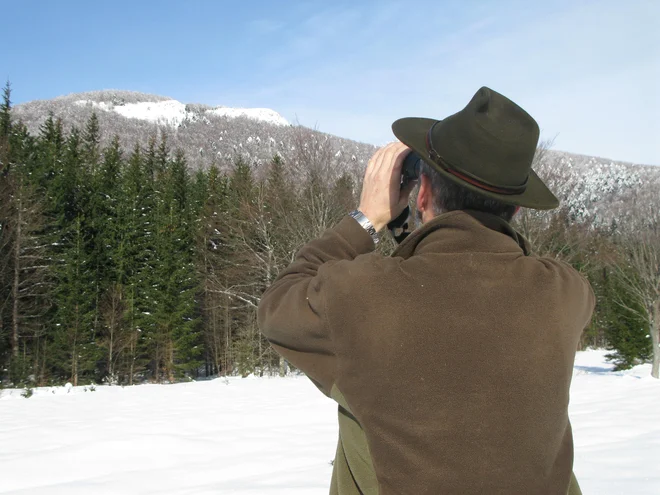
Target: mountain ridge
{"points": [[591, 187]]}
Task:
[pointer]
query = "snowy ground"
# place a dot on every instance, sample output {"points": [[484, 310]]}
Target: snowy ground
{"points": [[273, 436]]}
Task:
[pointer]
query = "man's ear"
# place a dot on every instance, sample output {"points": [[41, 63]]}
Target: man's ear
{"points": [[424, 196]]}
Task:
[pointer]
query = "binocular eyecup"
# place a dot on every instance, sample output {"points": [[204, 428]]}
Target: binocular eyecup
{"points": [[410, 171], [412, 166]]}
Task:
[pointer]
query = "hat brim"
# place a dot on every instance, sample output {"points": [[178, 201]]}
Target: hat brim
{"points": [[412, 131]]}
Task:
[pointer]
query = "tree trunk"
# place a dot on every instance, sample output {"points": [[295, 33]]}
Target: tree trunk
{"points": [[74, 365], [97, 298], [227, 365], [134, 338], [110, 346], [655, 339], [35, 356], [217, 344], [156, 376], [131, 367], [42, 365], [74, 351], [257, 335], [17, 272], [170, 361]]}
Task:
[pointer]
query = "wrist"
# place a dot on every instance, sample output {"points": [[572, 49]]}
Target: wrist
{"points": [[365, 223], [372, 219]]}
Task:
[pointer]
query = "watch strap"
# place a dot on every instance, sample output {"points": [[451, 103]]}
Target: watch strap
{"points": [[365, 224]]}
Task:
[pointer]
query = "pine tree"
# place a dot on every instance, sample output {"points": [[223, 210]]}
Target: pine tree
{"points": [[50, 149], [91, 143], [76, 291], [211, 257], [30, 281], [176, 337], [24, 267], [76, 349], [6, 243], [132, 259], [626, 331], [151, 213], [150, 168], [95, 210], [110, 291], [5, 112], [242, 274], [276, 221]]}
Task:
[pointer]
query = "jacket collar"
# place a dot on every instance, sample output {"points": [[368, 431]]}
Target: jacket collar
{"points": [[464, 231]]}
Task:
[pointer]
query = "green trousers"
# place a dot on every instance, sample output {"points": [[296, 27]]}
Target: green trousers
{"points": [[343, 482], [574, 488], [353, 459]]}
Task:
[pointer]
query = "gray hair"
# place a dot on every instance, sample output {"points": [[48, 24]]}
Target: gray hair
{"points": [[450, 196]]}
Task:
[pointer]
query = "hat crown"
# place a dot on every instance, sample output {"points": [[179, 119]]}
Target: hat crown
{"points": [[502, 118], [491, 138]]}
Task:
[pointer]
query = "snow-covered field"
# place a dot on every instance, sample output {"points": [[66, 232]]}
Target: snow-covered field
{"points": [[273, 436]]}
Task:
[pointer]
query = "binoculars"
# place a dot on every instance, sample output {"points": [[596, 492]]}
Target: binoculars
{"points": [[410, 171], [412, 165]]}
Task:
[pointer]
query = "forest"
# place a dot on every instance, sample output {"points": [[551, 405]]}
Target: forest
{"points": [[124, 266]]}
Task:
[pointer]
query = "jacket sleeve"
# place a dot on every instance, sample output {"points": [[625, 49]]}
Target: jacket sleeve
{"points": [[292, 311], [580, 300]]}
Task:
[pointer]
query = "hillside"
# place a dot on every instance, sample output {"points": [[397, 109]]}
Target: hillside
{"points": [[207, 134], [595, 189]]}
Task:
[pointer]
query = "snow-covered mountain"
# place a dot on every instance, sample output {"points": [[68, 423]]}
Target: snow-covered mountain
{"points": [[207, 134], [593, 189], [173, 113], [599, 190]]}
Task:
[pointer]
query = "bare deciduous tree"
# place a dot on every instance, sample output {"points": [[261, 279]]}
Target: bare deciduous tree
{"points": [[641, 250], [29, 267]]}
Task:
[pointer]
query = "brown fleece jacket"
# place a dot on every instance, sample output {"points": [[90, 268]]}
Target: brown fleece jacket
{"points": [[453, 356]]}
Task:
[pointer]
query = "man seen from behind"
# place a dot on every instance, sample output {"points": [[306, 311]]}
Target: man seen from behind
{"points": [[451, 359]]}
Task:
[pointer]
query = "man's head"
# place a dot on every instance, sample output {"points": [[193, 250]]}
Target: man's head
{"points": [[440, 195], [486, 149]]}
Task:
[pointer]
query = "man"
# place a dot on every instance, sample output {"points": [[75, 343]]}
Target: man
{"points": [[451, 360]]}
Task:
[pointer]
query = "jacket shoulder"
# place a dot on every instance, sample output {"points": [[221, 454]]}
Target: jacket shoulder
{"points": [[573, 284]]}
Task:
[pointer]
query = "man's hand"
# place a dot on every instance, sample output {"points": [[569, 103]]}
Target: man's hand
{"points": [[382, 200]]}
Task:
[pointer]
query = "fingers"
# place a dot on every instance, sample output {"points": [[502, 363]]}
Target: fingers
{"points": [[379, 160], [405, 193], [397, 164], [388, 157], [381, 194]]}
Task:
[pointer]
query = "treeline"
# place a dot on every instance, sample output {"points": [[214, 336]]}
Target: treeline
{"points": [[123, 266]]}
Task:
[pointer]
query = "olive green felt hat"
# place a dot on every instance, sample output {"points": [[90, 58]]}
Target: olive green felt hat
{"points": [[487, 147]]}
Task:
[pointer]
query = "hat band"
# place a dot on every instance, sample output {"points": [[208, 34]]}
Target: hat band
{"points": [[470, 179]]}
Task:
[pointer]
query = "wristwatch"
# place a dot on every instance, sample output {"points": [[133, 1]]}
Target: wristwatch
{"points": [[365, 224]]}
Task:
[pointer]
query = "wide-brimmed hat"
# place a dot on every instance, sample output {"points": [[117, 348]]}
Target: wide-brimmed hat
{"points": [[487, 147]]}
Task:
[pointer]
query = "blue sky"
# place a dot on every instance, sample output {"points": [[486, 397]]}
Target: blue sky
{"points": [[588, 71]]}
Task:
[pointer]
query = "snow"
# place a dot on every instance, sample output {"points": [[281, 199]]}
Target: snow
{"points": [[273, 436], [616, 427], [173, 113], [169, 112], [263, 114], [101, 105]]}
